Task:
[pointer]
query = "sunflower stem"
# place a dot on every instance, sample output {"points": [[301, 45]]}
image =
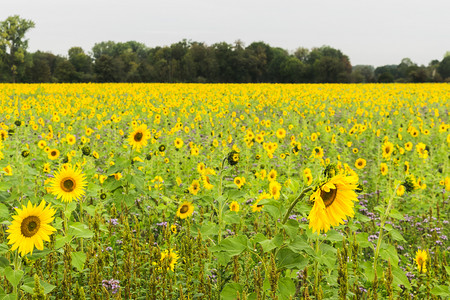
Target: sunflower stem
{"points": [[65, 219], [291, 207], [382, 222]]}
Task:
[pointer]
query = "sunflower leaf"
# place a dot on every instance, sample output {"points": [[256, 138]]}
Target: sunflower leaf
{"points": [[80, 230], [13, 276], [78, 260]]}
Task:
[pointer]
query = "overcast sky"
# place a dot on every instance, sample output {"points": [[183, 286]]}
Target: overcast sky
{"points": [[375, 32]]}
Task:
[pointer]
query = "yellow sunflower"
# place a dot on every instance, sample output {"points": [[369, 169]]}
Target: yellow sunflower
{"points": [[139, 137], [234, 206], [169, 258], [275, 188], [185, 210], [421, 260], [360, 163], [333, 203], [384, 169], [68, 184], [195, 187], [53, 154], [31, 226]]}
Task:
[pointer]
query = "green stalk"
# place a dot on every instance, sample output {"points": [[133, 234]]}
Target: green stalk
{"points": [[291, 207], [382, 222]]}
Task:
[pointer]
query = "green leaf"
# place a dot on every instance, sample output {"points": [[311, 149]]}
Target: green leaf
{"points": [[299, 244], [268, 245], [286, 288], [334, 236], [388, 252], [291, 228], [395, 214], [78, 260], [288, 259], [400, 278], [28, 285], [62, 240], [232, 245], [4, 212], [13, 276], [441, 290], [4, 262], [209, 229], [232, 217], [363, 240], [396, 235], [230, 291], [80, 230]]}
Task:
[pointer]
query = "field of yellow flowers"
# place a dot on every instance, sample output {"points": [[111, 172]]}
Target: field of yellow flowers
{"points": [[222, 191]]}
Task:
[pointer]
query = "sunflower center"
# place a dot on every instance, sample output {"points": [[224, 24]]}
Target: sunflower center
{"points": [[184, 209], [53, 153], [328, 197], [68, 184], [138, 136], [30, 226]]}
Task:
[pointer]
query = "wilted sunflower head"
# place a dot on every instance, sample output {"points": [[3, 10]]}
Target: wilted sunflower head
{"points": [[233, 158]]}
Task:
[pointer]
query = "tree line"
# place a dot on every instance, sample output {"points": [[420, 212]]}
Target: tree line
{"points": [[189, 61]]}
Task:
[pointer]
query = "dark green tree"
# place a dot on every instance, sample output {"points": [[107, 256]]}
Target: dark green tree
{"points": [[444, 68], [13, 44]]}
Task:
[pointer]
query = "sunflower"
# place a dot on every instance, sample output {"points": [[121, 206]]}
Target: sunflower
{"points": [[8, 170], [68, 184], [258, 207], [139, 137], [239, 181], [71, 139], [421, 260], [275, 188], [383, 169], [272, 176], [333, 202], [400, 190], [317, 152], [42, 144], [169, 258], [387, 149], [360, 163], [195, 187], [185, 210], [234, 206], [53, 154], [31, 226]]}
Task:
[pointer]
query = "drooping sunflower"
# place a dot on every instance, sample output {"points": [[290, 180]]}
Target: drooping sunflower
{"points": [[139, 137], [68, 184], [31, 226], [421, 260], [333, 202], [185, 210]]}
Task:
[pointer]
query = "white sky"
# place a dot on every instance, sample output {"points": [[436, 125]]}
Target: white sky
{"points": [[375, 32]]}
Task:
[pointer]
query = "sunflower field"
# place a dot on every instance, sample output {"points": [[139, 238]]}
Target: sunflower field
{"points": [[223, 191]]}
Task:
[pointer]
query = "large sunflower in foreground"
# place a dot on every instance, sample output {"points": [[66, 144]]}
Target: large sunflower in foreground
{"points": [[333, 203], [139, 137], [68, 184], [31, 226]]}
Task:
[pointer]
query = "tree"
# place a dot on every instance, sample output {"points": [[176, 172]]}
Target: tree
{"points": [[12, 43], [444, 68]]}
